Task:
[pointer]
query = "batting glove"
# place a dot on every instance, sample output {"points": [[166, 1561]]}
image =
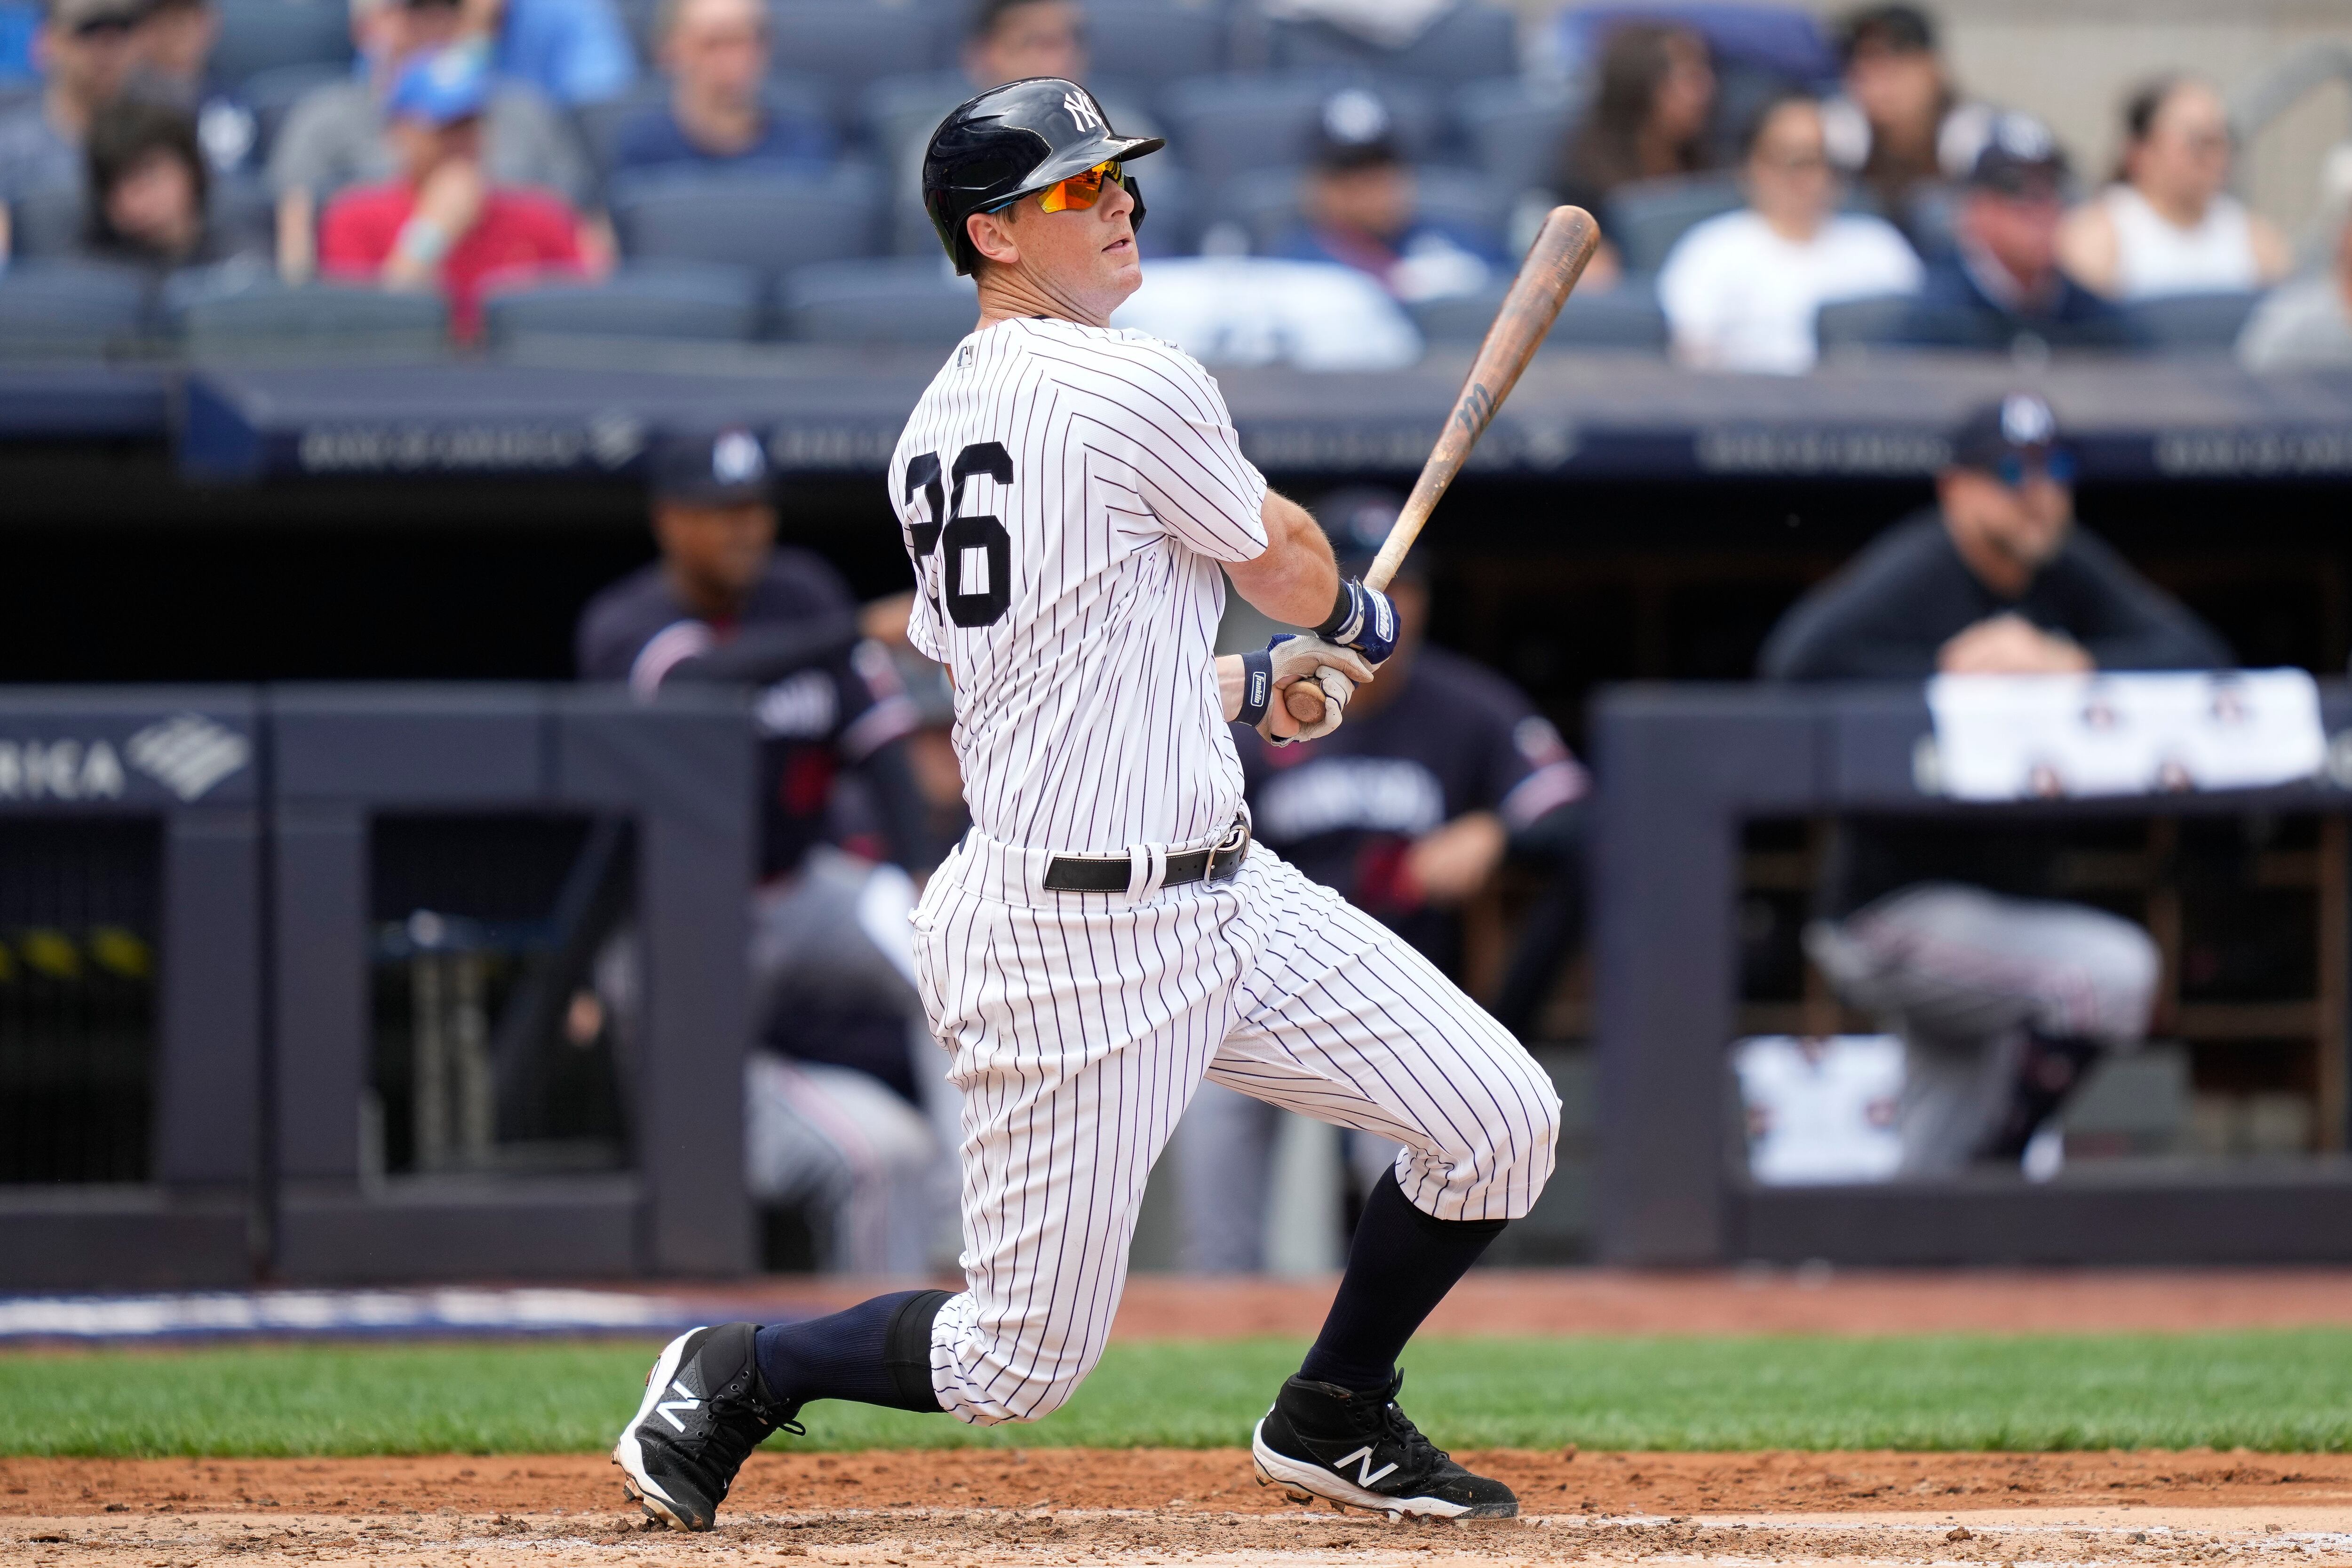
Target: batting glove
{"points": [[1364, 619], [1290, 658]]}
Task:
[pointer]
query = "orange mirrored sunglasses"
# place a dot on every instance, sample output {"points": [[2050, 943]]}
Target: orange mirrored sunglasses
{"points": [[1080, 192]]}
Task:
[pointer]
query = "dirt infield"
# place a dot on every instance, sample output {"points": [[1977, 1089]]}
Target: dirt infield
{"points": [[978, 1509]]}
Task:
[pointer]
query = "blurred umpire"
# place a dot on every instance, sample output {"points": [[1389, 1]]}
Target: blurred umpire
{"points": [[843, 1102], [1442, 770], [2003, 994]]}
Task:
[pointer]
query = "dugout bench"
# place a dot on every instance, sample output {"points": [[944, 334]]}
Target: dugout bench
{"points": [[1683, 771]]}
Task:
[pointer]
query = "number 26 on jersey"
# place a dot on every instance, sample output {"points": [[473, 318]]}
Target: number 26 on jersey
{"points": [[976, 553]]}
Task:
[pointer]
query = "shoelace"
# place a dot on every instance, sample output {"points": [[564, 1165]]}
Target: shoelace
{"points": [[741, 1423], [1422, 1455]]}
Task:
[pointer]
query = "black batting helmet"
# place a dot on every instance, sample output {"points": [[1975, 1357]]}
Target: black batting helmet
{"points": [[1010, 141]]}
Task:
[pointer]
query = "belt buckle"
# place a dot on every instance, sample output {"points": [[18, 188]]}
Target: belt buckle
{"points": [[1226, 859]]}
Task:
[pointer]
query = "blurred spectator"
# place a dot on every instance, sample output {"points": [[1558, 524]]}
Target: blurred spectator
{"points": [[148, 189], [1009, 41], [1652, 97], [336, 135], [1902, 127], [1442, 769], [1740, 292], [2168, 225], [445, 223], [2003, 283], [2306, 324], [2003, 995], [576, 51], [1361, 209], [715, 52], [85, 50], [840, 1100], [174, 44]]}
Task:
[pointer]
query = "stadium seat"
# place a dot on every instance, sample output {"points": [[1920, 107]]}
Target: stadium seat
{"points": [[1267, 205], [1515, 128], [2193, 323], [1625, 316], [1644, 219], [701, 301], [246, 313], [46, 225], [762, 220], [1851, 326], [70, 310], [850, 46], [1149, 42], [1471, 40], [262, 34], [273, 93], [905, 300], [1222, 127]]}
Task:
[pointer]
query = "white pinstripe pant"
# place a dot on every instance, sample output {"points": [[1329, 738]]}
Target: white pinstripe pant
{"points": [[1080, 1024]]}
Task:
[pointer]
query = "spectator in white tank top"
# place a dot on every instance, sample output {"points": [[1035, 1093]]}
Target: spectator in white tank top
{"points": [[2167, 225], [1740, 292]]}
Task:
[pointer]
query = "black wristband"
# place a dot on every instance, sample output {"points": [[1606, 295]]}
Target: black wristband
{"points": [[1257, 688], [1339, 612]]}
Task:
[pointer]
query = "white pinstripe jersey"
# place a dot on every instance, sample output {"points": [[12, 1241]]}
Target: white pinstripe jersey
{"points": [[1065, 493]]}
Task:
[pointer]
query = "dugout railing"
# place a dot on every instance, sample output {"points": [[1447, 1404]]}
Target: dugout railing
{"points": [[446, 982], [1683, 771]]}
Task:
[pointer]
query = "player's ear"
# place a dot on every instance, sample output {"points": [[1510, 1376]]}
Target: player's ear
{"points": [[992, 235]]}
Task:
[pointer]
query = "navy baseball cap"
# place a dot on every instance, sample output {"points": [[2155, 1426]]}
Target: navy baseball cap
{"points": [[1354, 131], [442, 87], [2019, 157], [714, 468], [1358, 519], [2004, 438]]}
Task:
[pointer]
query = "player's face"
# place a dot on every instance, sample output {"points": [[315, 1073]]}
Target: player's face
{"points": [[2024, 523], [1085, 258], [721, 550]]}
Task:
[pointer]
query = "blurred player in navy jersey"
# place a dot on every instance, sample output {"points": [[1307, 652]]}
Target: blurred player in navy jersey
{"points": [[1443, 769], [842, 1101]]}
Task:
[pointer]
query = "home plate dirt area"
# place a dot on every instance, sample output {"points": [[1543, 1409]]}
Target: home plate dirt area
{"points": [[969, 1509]]}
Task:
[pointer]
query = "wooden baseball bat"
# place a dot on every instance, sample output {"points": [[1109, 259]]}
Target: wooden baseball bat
{"points": [[1554, 263]]}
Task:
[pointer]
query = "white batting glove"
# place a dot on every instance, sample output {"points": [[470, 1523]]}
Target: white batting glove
{"points": [[1337, 670]]}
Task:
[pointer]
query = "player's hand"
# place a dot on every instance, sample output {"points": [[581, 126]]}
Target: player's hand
{"points": [[1319, 667], [1364, 619], [2011, 645]]}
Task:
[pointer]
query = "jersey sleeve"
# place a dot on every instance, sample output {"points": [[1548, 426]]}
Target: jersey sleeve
{"points": [[1180, 444]]}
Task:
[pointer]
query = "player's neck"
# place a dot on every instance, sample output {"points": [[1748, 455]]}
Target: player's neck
{"points": [[1006, 292]]}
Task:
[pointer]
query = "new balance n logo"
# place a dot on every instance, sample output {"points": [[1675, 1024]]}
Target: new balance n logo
{"points": [[1363, 1459], [668, 1408]]}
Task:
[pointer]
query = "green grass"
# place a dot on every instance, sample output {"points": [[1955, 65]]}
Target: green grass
{"points": [[2280, 1391]]}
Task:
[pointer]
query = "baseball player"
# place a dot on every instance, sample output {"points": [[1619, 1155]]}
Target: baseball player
{"points": [[1106, 936]]}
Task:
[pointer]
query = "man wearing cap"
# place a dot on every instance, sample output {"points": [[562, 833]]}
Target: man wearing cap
{"points": [[2003, 284], [85, 49], [335, 136], [831, 974], [1442, 769], [2002, 993], [1361, 209], [442, 224]]}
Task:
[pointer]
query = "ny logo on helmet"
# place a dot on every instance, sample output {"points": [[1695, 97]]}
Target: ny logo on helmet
{"points": [[1084, 113]]}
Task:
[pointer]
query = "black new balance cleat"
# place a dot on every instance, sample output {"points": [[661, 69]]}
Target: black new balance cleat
{"points": [[705, 1410], [1321, 1441]]}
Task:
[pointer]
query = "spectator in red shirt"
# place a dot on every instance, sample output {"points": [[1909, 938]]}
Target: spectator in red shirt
{"points": [[442, 224]]}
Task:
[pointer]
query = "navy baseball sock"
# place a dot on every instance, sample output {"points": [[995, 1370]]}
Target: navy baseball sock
{"points": [[877, 1352], [1400, 1266]]}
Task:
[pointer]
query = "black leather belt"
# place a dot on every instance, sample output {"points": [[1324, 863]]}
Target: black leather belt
{"points": [[1111, 873]]}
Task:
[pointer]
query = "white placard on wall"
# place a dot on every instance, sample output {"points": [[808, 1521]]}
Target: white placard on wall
{"points": [[2026, 737]]}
